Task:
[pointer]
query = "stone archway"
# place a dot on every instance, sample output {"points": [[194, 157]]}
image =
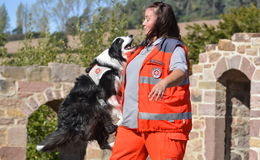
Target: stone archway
{"points": [[225, 95], [235, 103]]}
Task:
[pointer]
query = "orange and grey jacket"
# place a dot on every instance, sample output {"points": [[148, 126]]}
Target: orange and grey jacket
{"points": [[172, 113]]}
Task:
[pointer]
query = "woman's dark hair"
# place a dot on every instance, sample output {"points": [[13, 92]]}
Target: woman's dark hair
{"points": [[166, 23]]}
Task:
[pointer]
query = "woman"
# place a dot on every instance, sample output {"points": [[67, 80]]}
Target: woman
{"points": [[156, 97]]}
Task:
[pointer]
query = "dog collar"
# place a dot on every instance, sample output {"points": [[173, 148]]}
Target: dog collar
{"points": [[97, 72]]}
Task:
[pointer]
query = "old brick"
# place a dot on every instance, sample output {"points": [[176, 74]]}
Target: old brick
{"points": [[15, 112], [247, 68], [193, 135], [241, 49], [255, 87], [203, 58], [234, 62], [49, 95], [197, 68], [241, 37], [198, 124], [207, 85], [208, 75], [41, 99], [13, 153], [193, 80], [226, 45], [38, 73], [257, 61], [6, 121], [209, 96], [7, 88], [196, 95], [256, 75], [255, 128], [66, 89], [32, 103], [68, 74], [255, 41], [206, 109], [17, 136], [220, 68], [33, 87], [214, 56], [253, 155], [14, 72], [210, 47], [254, 142], [251, 51], [254, 113]]}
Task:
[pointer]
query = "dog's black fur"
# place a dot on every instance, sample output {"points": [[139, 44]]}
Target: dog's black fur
{"points": [[82, 117]]}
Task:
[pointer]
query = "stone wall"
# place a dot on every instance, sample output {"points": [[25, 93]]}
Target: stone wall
{"points": [[224, 114], [225, 94]]}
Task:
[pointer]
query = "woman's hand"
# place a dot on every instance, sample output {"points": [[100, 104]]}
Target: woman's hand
{"points": [[173, 79], [157, 91]]}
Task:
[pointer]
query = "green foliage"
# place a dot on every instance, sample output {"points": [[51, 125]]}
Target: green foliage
{"points": [[243, 19], [41, 123], [58, 40], [3, 18]]}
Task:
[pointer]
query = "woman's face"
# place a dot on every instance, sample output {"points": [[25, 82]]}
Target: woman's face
{"points": [[149, 20]]}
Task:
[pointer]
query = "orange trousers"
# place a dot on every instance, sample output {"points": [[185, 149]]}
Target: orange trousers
{"points": [[133, 145]]}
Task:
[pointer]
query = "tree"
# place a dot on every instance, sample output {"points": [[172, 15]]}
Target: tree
{"points": [[3, 18], [243, 19], [19, 19]]}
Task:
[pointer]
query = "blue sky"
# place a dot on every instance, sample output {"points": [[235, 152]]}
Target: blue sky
{"points": [[11, 6]]}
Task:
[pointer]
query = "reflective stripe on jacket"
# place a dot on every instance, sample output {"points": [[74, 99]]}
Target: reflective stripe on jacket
{"points": [[173, 112]]}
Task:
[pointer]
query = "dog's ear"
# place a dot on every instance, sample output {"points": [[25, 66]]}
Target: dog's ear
{"points": [[115, 48]]}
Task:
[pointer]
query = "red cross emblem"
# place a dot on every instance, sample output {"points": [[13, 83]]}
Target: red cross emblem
{"points": [[156, 72], [97, 71]]}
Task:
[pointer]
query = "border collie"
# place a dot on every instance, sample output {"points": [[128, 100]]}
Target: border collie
{"points": [[85, 114]]}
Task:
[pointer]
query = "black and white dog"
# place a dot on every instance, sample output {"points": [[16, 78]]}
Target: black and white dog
{"points": [[85, 114]]}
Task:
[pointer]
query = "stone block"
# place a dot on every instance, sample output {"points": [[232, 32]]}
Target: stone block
{"points": [[196, 95], [206, 109], [255, 113], [208, 75], [195, 145], [41, 98], [221, 67], [14, 72], [226, 45], [49, 95], [64, 72], [17, 137], [254, 128], [6, 121], [253, 155], [13, 153], [193, 135], [241, 37], [254, 142], [251, 51], [7, 88], [257, 61], [209, 96], [10, 102], [33, 87], [38, 73], [15, 112], [255, 41], [203, 58], [32, 103], [210, 47], [256, 75], [234, 62], [207, 85], [66, 89], [214, 56], [255, 87], [198, 124], [247, 68], [196, 68], [241, 48]]}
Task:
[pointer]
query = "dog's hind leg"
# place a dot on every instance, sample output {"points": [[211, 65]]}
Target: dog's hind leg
{"points": [[73, 151]]}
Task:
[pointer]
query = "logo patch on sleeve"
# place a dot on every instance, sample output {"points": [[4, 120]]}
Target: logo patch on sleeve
{"points": [[156, 72]]}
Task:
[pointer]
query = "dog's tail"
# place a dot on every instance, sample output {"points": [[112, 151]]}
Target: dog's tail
{"points": [[54, 140]]}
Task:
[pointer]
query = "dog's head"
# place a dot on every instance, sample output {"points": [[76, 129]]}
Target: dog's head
{"points": [[120, 46]]}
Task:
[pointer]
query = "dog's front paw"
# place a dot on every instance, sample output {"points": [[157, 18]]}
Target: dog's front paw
{"points": [[111, 128]]}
